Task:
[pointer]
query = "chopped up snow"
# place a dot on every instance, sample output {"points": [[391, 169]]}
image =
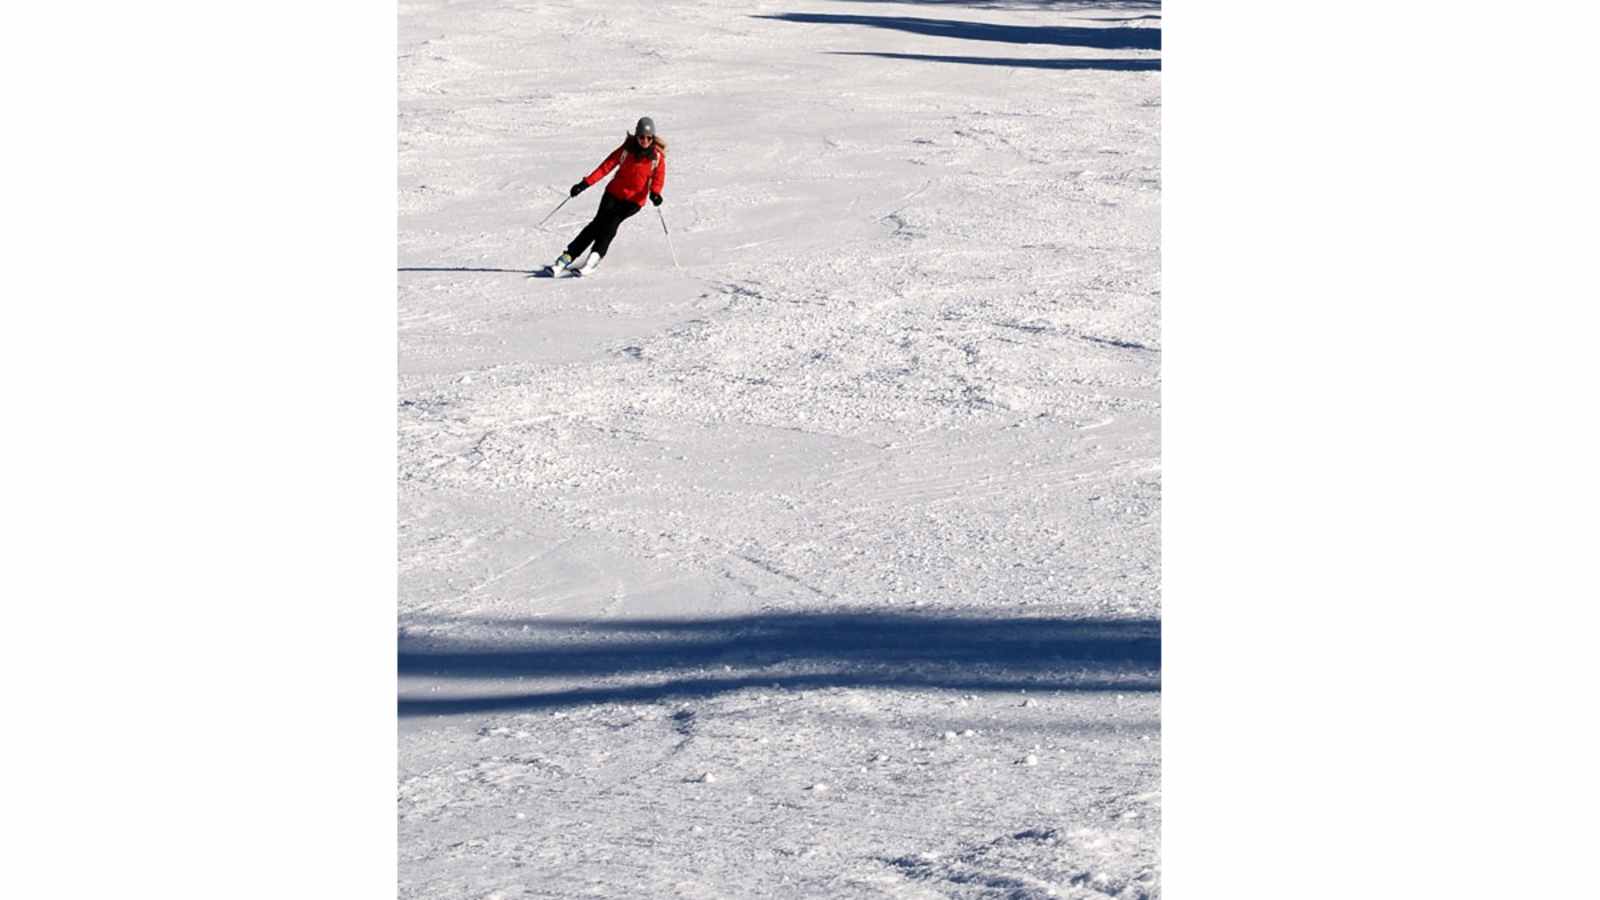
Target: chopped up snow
{"points": [[874, 476]]}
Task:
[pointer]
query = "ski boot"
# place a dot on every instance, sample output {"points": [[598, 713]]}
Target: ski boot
{"points": [[561, 263], [589, 265]]}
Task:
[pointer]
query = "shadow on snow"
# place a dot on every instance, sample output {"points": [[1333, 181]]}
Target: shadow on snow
{"points": [[1109, 65], [794, 651], [461, 269], [1037, 5], [1056, 35]]}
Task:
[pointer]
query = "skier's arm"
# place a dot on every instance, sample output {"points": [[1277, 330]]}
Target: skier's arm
{"points": [[659, 180], [604, 168]]}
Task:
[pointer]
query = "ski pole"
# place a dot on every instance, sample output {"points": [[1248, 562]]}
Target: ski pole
{"points": [[552, 212], [669, 237]]}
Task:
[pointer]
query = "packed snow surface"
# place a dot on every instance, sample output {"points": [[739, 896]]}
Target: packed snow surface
{"points": [[826, 565]]}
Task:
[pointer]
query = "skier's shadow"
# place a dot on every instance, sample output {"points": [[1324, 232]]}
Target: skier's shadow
{"points": [[463, 269]]}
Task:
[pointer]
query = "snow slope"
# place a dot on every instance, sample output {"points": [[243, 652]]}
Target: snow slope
{"points": [[827, 565]]}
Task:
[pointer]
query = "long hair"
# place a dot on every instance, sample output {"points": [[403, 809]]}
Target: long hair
{"points": [[628, 146]]}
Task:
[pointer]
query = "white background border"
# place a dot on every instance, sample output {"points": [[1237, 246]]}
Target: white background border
{"points": [[1379, 480], [200, 363]]}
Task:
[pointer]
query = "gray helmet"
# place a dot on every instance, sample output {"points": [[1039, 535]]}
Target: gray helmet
{"points": [[646, 126]]}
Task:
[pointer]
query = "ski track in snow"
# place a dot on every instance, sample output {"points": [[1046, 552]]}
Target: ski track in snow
{"points": [[827, 566]]}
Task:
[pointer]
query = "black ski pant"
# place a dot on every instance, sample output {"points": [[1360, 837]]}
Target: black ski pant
{"points": [[603, 227]]}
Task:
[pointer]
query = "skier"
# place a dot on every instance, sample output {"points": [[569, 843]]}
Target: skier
{"points": [[641, 164]]}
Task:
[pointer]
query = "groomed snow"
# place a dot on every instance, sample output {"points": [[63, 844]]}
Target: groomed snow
{"points": [[828, 564]]}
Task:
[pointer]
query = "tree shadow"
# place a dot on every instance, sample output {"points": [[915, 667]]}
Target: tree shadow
{"points": [[1107, 65], [1055, 35], [1039, 5], [705, 657]]}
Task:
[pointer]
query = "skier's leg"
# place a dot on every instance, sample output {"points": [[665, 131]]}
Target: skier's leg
{"points": [[594, 229], [584, 238], [608, 232]]}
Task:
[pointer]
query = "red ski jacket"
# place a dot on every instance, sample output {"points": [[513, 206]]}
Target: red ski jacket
{"points": [[639, 177]]}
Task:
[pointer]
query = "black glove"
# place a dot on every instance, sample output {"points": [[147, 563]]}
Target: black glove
{"points": [[577, 189], [655, 198]]}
